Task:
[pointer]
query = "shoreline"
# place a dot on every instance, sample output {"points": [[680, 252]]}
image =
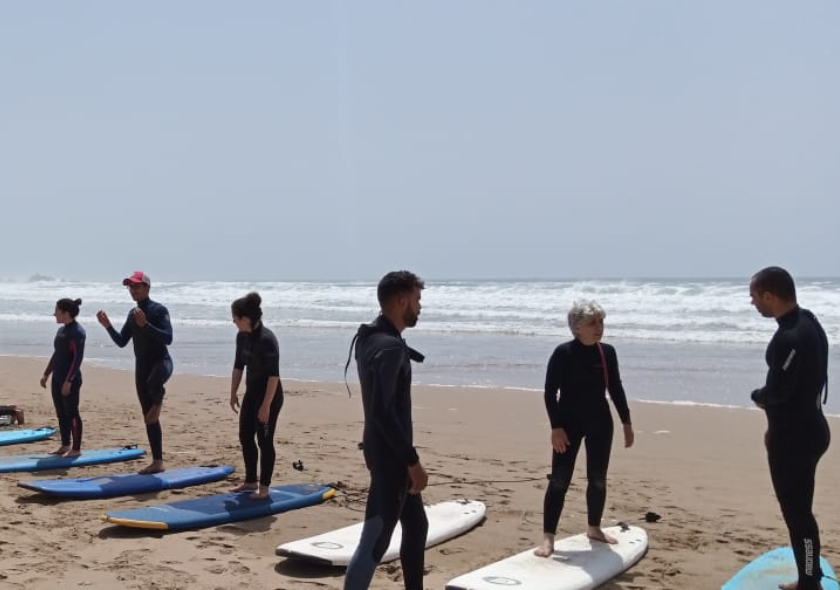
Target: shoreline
{"points": [[96, 364], [702, 469]]}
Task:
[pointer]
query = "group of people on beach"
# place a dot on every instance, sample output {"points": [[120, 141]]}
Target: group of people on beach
{"points": [[149, 328], [581, 373]]}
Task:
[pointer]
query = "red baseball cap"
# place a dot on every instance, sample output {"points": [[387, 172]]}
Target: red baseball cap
{"points": [[138, 277]]}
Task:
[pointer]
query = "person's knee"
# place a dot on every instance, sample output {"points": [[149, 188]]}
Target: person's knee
{"points": [[559, 484], [598, 484]]}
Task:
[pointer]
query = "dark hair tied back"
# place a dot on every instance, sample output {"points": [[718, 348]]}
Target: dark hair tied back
{"points": [[70, 306], [248, 307]]}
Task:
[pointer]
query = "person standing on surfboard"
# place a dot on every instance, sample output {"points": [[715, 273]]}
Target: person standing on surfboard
{"points": [[383, 361], [65, 366], [257, 349], [581, 370], [149, 327], [797, 432]]}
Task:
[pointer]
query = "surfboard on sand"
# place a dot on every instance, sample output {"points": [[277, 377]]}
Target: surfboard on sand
{"points": [[773, 568], [43, 461], [124, 484], [446, 520], [577, 564], [24, 435], [220, 508]]}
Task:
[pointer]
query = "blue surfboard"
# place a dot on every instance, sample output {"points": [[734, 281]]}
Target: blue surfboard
{"points": [[773, 568], [124, 484], [24, 435], [42, 461], [220, 508]]}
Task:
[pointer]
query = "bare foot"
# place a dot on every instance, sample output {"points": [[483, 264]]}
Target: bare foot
{"points": [[246, 487], [72, 453], [260, 494], [546, 548], [596, 534], [60, 450], [153, 467]]}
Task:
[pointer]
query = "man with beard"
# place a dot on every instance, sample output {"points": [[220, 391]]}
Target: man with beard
{"points": [[797, 431], [383, 360]]}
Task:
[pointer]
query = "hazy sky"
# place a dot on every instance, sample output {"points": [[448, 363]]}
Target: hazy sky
{"points": [[460, 139]]}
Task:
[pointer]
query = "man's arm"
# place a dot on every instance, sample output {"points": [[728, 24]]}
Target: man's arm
{"points": [[781, 375], [122, 337], [160, 326], [386, 369]]}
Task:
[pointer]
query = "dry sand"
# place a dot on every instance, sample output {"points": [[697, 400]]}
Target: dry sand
{"points": [[702, 469]]}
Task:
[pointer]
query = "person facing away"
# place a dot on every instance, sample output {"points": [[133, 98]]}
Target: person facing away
{"points": [[65, 366], [148, 326], [256, 349], [797, 432], [581, 370], [397, 477]]}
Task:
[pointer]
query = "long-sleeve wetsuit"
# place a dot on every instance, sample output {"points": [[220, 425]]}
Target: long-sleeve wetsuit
{"points": [[260, 353], [65, 366], [797, 431], [153, 365], [383, 360], [577, 372]]}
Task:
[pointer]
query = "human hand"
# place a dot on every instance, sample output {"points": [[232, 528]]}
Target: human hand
{"points": [[140, 317], [234, 403], [629, 436], [65, 389], [102, 317], [43, 382], [263, 413], [419, 478], [559, 440]]}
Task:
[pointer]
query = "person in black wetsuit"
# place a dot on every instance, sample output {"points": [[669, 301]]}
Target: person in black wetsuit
{"points": [[65, 366], [149, 327], [397, 477], [256, 349], [797, 432], [581, 370]]}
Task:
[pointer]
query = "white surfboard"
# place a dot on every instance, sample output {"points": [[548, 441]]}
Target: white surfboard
{"points": [[446, 520], [577, 564]]}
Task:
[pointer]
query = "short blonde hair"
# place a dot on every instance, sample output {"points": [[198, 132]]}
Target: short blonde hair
{"points": [[584, 310]]}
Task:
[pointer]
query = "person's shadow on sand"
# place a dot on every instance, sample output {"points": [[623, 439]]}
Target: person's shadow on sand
{"points": [[294, 568]]}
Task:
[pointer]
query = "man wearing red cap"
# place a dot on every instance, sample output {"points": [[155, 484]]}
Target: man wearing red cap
{"points": [[149, 327]]}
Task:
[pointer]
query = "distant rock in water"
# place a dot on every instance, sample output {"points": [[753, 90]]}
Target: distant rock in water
{"points": [[40, 278]]}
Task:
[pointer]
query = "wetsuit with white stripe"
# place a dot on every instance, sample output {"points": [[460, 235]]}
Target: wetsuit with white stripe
{"points": [[797, 431]]}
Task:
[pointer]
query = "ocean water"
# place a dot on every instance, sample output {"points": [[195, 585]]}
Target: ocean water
{"points": [[678, 341]]}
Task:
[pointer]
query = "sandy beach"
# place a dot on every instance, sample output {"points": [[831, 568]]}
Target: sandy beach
{"points": [[702, 469]]}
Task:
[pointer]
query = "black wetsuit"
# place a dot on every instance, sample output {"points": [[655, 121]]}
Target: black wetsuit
{"points": [[797, 431], [153, 365], [65, 365], [383, 361], [259, 351], [577, 372]]}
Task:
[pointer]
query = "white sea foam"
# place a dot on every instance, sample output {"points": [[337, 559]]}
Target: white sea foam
{"points": [[666, 311]]}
